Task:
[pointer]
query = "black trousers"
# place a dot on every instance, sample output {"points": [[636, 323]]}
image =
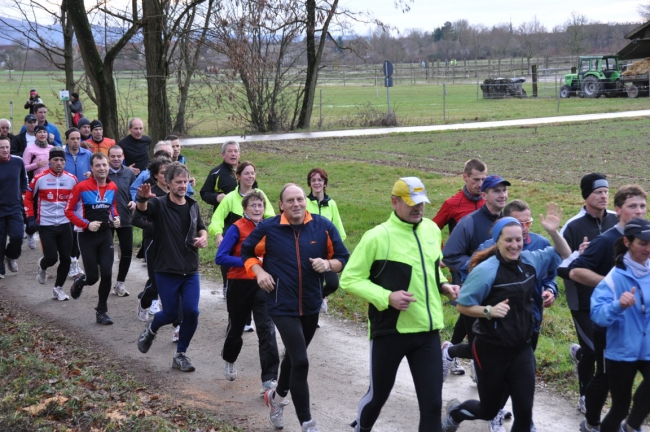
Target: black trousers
{"points": [[97, 252], [56, 241], [125, 237], [296, 332], [244, 297], [75, 252], [422, 350], [464, 350], [587, 358], [501, 372], [621, 379], [598, 387]]}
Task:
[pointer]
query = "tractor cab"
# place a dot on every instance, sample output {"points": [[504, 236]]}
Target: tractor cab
{"points": [[596, 76]]}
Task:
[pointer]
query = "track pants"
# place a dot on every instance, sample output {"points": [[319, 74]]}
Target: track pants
{"points": [[75, 252], [244, 296], [97, 251], [150, 291], [598, 387], [56, 241], [422, 350], [125, 237], [10, 226], [296, 332], [501, 373], [621, 379], [175, 290], [587, 356], [464, 350]]}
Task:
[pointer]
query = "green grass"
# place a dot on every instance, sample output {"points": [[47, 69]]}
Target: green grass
{"points": [[343, 107], [49, 383], [544, 164]]}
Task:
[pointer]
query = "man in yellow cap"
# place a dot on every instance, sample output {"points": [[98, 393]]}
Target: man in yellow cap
{"points": [[395, 268]]}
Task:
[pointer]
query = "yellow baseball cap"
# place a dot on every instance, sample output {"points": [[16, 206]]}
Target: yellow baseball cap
{"points": [[411, 190]]}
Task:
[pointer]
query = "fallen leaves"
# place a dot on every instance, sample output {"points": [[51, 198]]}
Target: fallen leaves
{"points": [[38, 409]]}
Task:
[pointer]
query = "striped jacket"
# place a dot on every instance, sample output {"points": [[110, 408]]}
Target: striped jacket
{"points": [[47, 195]]}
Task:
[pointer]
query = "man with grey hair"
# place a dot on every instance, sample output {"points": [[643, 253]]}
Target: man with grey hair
{"points": [[5, 127], [136, 146]]}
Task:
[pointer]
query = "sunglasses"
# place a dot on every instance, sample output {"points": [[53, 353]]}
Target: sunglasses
{"points": [[528, 223]]}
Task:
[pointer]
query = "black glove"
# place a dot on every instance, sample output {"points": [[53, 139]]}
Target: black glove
{"points": [[31, 226]]}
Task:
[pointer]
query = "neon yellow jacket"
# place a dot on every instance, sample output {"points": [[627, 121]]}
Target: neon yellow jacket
{"points": [[328, 209], [397, 256], [230, 211]]}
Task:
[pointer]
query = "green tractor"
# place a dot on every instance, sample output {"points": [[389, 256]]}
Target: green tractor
{"points": [[596, 76]]}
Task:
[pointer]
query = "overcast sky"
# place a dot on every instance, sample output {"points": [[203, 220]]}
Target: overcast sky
{"points": [[429, 14]]}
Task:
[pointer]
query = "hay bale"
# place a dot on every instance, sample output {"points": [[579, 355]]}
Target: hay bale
{"points": [[638, 68]]}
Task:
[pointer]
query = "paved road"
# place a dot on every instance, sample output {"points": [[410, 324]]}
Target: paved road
{"points": [[410, 129]]}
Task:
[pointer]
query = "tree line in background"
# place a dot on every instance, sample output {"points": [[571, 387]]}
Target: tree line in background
{"points": [[192, 52]]}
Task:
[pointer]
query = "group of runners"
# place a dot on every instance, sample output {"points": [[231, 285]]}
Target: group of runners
{"points": [[281, 268]]}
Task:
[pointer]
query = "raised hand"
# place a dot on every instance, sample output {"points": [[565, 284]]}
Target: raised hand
{"points": [[553, 218], [144, 191]]}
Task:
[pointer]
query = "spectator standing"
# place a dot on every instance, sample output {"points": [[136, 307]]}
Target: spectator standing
{"points": [[401, 280], [54, 137], [34, 99], [123, 177], [25, 137], [13, 182], [297, 248], [179, 233], [92, 207], [76, 108], [136, 146], [84, 128], [45, 202]]}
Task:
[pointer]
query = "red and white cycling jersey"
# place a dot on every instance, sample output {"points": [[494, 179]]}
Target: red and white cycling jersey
{"points": [[50, 193]]}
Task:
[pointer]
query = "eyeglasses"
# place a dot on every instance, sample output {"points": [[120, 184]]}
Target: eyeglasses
{"points": [[4, 127], [528, 223]]}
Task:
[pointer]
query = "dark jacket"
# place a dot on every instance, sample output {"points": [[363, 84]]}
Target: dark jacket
{"points": [[175, 251], [221, 180], [19, 144], [136, 151], [298, 287], [123, 179], [13, 179]]}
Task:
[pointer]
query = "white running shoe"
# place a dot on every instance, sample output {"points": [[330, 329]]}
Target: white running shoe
{"points": [[155, 307], [58, 294], [249, 328], [277, 409], [323, 306], [268, 385], [582, 405], [456, 367], [230, 371], [177, 334], [309, 426], [496, 424], [446, 361], [12, 264], [75, 269], [143, 314], [31, 241], [41, 276], [119, 290]]}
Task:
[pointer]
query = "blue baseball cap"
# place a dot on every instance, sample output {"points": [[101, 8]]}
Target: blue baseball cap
{"points": [[493, 181]]}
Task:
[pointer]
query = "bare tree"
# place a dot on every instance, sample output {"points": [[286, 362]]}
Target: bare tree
{"points": [[531, 38], [502, 40], [644, 10], [33, 34], [98, 70], [576, 38]]}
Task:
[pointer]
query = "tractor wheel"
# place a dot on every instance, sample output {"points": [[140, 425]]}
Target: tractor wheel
{"points": [[591, 86], [633, 92], [565, 92]]}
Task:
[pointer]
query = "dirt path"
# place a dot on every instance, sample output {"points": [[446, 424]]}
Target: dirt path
{"points": [[338, 361]]}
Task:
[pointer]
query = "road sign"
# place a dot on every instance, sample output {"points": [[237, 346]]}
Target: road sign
{"points": [[388, 69], [388, 82], [64, 95]]}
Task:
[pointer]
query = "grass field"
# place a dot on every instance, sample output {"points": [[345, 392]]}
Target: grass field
{"points": [[544, 164], [340, 107]]}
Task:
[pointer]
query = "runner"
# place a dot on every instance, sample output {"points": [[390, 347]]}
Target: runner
{"points": [[297, 248], [400, 278], [497, 292], [45, 202], [92, 208], [246, 296], [179, 232], [13, 183]]}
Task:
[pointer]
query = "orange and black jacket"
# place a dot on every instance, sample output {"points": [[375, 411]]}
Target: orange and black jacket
{"points": [[286, 250], [229, 251]]}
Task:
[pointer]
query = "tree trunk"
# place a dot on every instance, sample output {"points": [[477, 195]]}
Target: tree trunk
{"points": [[159, 122], [99, 72], [68, 53]]}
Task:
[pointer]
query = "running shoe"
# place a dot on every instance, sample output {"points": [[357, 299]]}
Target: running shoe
{"points": [[496, 424], [119, 290], [268, 385], [582, 405], [182, 362], [143, 314], [574, 350], [2, 275], [177, 333], [59, 294], [103, 318], [309, 426], [456, 367], [230, 371], [77, 286], [75, 269], [41, 276], [146, 339], [446, 361], [627, 428], [31, 241], [277, 409], [155, 307], [586, 427], [12, 264], [249, 328], [323, 306], [448, 423]]}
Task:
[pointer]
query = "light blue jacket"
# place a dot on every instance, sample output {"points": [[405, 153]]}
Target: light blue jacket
{"points": [[628, 330]]}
